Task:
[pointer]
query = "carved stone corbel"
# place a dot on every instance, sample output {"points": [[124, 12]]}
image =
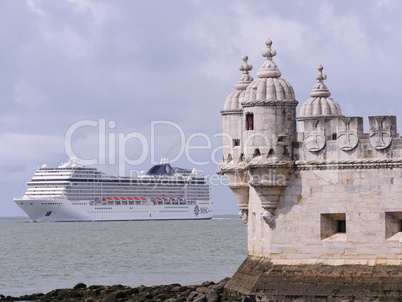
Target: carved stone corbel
{"points": [[269, 181], [269, 219]]}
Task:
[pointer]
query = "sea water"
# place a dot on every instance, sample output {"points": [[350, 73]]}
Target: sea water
{"points": [[40, 257]]}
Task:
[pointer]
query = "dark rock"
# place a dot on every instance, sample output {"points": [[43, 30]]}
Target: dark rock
{"points": [[200, 298], [117, 287], [212, 296], [205, 292], [66, 293], [96, 287], [79, 286], [192, 295], [207, 283]]}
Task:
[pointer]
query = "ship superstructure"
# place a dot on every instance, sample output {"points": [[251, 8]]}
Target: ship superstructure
{"points": [[72, 192]]}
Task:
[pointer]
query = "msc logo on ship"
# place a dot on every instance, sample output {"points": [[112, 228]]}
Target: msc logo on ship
{"points": [[198, 210]]}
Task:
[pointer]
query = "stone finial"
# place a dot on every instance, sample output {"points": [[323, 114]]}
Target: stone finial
{"points": [[269, 53], [245, 67], [320, 76], [269, 68], [320, 90], [245, 79]]}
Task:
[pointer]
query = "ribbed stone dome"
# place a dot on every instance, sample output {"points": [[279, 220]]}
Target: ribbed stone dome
{"points": [[269, 86], [233, 101], [320, 103]]}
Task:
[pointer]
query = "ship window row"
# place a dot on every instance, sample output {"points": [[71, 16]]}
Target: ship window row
{"points": [[47, 187], [125, 192], [124, 182], [125, 197], [40, 194], [45, 191], [42, 175], [118, 203], [129, 184], [120, 192], [53, 172], [147, 188], [54, 183], [91, 194], [124, 189], [197, 193], [111, 187]]}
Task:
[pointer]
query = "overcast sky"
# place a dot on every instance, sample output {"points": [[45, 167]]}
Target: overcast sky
{"points": [[84, 69]]}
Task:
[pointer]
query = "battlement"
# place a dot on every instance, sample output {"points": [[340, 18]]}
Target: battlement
{"points": [[343, 139]]}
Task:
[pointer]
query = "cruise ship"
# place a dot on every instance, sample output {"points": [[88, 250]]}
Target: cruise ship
{"points": [[73, 192]]}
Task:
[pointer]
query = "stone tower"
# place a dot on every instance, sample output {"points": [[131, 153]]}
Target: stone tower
{"points": [[322, 204], [233, 155]]}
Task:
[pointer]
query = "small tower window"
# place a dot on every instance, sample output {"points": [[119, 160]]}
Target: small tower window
{"points": [[333, 224], [393, 225], [249, 121], [236, 142]]}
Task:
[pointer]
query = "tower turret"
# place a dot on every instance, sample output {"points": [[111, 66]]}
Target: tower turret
{"points": [[269, 115], [233, 157], [232, 115], [320, 120]]}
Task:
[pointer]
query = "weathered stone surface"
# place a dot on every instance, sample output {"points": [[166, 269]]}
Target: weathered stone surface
{"points": [[258, 277]]}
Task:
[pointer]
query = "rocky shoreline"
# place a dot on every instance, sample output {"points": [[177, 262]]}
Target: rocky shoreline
{"points": [[205, 292]]}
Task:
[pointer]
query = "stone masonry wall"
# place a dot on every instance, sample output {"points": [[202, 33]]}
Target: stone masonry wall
{"points": [[263, 281], [368, 199]]}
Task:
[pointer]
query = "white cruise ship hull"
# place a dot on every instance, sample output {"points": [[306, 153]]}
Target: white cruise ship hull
{"points": [[55, 210], [76, 193]]}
